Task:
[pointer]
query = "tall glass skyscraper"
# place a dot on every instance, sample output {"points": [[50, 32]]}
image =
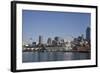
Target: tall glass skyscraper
{"points": [[88, 33], [40, 40]]}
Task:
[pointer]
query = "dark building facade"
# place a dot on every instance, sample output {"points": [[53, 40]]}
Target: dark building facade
{"points": [[88, 34], [40, 40], [49, 41]]}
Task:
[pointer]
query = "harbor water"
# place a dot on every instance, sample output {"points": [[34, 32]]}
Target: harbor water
{"points": [[53, 56]]}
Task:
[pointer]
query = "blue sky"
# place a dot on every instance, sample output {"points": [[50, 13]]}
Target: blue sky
{"points": [[51, 24]]}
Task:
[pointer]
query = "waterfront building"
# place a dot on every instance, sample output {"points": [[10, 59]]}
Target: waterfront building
{"points": [[54, 43], [57, 39], [33, 43], [80, 38], [40, 40], [49, 41], [68, 45], [62, 40]]}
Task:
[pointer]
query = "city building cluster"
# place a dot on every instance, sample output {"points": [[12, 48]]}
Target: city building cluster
{"points": [[56, 42], [77, 44], [82, 44]]}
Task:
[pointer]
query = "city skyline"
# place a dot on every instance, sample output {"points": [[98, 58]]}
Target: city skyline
{"points": [[51, 24]]}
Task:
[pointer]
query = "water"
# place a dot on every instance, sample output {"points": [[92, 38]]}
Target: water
{"points": [[53, 56]]}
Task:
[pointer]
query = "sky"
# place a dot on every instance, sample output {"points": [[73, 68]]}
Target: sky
{"points": [[66, 25]]}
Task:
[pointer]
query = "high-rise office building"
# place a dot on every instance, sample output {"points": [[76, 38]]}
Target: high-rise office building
{"points": [[57, 40], [33, 43], [49, 41], [40, 40], [54, 43], [88, 33]]}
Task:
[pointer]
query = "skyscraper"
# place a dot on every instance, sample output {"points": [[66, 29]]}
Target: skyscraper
{"points": [[88, 34], [57, 39], [49, 41], [40, 40]]}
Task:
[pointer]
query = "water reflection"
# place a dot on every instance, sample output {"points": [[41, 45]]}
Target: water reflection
{"points": [[53, 56]]}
